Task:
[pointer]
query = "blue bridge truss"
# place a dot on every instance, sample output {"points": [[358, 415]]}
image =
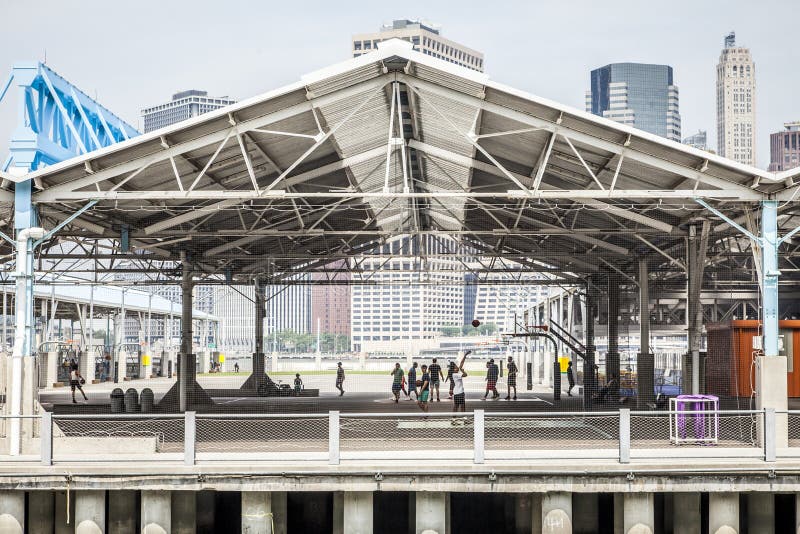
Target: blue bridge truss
{"points": [[56, 120]]}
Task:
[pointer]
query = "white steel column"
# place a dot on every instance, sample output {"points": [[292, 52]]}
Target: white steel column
{"points": [[23, 334]]}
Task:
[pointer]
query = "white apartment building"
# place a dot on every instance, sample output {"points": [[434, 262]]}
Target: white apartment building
{"points": [[501, 303], [407, 300], [184, 105], [425, 37], [736, 103]]}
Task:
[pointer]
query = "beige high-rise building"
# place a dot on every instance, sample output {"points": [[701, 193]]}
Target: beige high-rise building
{"points": [[736, 103], [425, 37]]}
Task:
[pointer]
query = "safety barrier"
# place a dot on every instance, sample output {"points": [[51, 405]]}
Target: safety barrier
{"points": [[617, 436]]}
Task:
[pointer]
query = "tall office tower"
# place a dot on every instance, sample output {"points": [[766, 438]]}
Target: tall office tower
{"points": [[736, 103], [330, 304], [289, 306], [413, 288], [636, 94], [184, 105], [698, 140], [235, 309], [784, 148], [425, 37]]}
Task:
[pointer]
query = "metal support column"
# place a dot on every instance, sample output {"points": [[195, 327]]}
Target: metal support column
{"points": [[771, 385], [187, 369], [24, 222], [696, 259], [644, 360], [258, 378], [769, 272], [612, 357], [589, 375]]}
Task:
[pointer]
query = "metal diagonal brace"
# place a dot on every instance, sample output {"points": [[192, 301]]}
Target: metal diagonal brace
{"points": [[727, 220], [63, 223]]}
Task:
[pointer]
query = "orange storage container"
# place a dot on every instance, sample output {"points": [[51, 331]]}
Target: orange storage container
{"points": [[730, 368]]}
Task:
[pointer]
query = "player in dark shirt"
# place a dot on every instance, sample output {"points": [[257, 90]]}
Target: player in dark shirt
{"points": [[424, 389], [436, 374], [492, 372], [412, 381], [339, 378], [512, 378]]}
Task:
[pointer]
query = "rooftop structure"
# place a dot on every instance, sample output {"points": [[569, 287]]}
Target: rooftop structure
{"points": [[385, 146], [424, 37]]}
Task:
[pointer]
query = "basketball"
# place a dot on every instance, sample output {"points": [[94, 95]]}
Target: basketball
{"points": [[476, 323], [419, 383]]}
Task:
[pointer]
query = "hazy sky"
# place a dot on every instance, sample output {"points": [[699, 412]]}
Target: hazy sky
{"points": [[136, 54]]}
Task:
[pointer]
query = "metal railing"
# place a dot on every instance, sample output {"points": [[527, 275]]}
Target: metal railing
{"points": [[621, 436]]}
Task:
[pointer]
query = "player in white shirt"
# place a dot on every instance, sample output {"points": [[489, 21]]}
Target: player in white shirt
{"points": [[459, 397]]}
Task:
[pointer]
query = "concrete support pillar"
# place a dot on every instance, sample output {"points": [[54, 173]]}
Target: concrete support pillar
{"points": [[121, 512], [586, 521], [619, 513], [772, 392], [90, 512], [12, 511], [686, 513], [536, 513], [156, 512], [723, 513], [279, 512], [65, 522], [257, 516], [761, 513], [41, 512], [523, 517], [338, 512], [557, 513], [431, 513], [358, 512], [184, 512], [639, 513]]}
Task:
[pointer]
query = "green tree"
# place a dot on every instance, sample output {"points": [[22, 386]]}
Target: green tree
{"points": [[450, 331]]}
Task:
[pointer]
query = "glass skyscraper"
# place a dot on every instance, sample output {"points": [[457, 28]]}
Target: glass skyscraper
{"points": [[637, 94]]}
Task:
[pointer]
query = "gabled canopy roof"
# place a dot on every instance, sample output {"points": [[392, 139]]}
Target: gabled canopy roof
{"points": [[395, 142]]}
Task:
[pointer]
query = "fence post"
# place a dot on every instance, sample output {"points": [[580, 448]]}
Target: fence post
{"points": [[478, 439], [189, 435], [333, 437], [46, 437], [769, 435], [624, 436]]}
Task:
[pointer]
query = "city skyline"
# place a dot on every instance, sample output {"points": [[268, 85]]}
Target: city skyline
{"points": [[257, 67]]}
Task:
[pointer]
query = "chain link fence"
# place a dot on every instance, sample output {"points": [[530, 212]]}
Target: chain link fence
{"points": [[227, 434]]}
